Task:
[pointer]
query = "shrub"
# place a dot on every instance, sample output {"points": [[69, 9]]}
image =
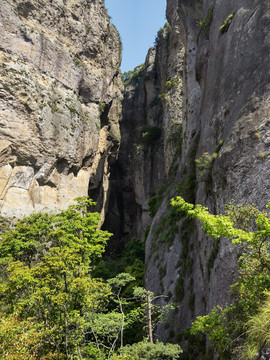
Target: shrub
{"points": [[77, 61], [224, 28], [206, 22], [101, 107], [133, 76], [150, 351]]}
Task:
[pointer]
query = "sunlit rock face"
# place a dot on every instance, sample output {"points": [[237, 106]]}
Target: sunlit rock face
{"points": [[206, 88], [60, 100]]}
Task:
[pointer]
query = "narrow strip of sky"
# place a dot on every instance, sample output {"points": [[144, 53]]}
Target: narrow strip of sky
{"points": [[138, 22]]}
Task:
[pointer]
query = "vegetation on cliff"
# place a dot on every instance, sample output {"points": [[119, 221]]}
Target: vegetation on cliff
{"points": [[53, 307], [241, 328]]}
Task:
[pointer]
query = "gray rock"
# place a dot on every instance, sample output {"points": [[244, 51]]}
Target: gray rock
{"points": [[220, 103]]}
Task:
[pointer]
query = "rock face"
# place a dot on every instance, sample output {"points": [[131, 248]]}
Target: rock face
{"points": [[60, 100], [202, 94], [150, 131]]}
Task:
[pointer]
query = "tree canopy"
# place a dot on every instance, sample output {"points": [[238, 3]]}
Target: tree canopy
{"points": [[51, 304]]}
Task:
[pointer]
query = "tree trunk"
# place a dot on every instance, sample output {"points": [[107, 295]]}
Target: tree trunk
{"points": [[149, 315]]}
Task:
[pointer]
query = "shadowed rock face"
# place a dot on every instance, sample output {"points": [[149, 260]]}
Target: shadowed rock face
{"points": [[59, 71], [207, 90]]}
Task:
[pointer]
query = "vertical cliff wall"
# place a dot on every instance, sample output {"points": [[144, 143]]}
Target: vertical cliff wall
{"points": [[60, 99], [203, 93]]}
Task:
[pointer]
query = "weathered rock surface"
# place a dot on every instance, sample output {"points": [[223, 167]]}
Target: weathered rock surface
{"points": [[59, 71], [150, 131], [208, 92]]}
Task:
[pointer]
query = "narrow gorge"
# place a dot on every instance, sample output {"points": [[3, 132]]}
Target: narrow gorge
{"points": [[196, 124], [193, 120]]}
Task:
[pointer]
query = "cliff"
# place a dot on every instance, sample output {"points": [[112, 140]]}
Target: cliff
{"points": [[202, 94], [60, 104]]}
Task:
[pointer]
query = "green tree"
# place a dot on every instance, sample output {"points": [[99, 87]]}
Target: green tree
{"points": [[46, 276], [153, 313], [53, 307], [108, 327], [20, 340], [249, 229]]}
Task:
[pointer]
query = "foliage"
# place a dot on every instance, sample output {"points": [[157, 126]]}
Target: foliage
{"points": [[171, 84], [53, 307], [108, 327], [5, 224], [187, 186], [155, 201], [215, 326], [20, 340], [101, 107], [195, 347], [72, 110], [45, 272], [168, 226], [258, 331], [224, 28], [153, 313], [204, 164], [163, 33], [77, 61], [150, 135], [206, 22], [248, 228], [133, 76], [149, 351], [130, 261]]}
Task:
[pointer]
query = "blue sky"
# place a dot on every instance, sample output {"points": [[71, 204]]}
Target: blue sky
{"points": [[138, 22]]}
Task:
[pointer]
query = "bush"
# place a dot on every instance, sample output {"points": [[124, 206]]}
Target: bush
{"points": [[151, 351], [224, 28], [206, 22]]}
